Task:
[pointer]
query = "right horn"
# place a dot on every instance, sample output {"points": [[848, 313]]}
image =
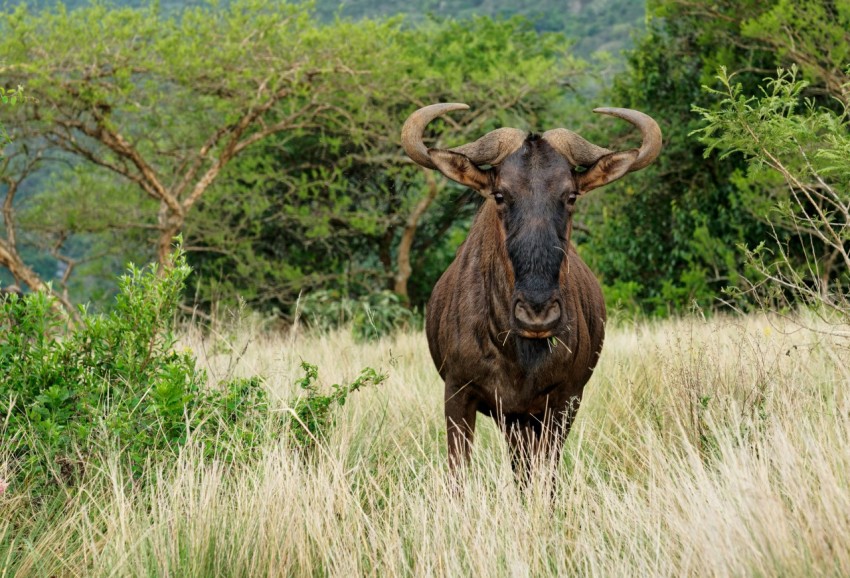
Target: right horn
{"points": [[649, 130], [490, 149], [414, 126]]}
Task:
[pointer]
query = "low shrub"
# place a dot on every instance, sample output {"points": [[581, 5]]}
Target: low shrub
{"points": [[314, 412], [114, 378]]}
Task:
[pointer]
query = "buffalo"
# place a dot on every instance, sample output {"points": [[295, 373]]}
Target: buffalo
{"points": [[515, 324]]}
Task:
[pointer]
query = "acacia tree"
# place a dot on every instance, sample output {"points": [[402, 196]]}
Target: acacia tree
{"points": [[157, 107], [11, 179], [270, 139], [8, 97]]}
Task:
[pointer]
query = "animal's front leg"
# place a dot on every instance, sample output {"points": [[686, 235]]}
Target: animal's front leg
{"points": [[460, 423], [536, 441], [560, 424]]}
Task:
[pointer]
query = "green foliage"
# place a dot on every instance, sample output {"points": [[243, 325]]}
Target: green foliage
{"points": [[798, 170], [12, 96], [371, 316], [140, 115], [326, 210], [674, 232], [809, 139], [594, 25], [114, 379], [142, 104], [314, 412]]}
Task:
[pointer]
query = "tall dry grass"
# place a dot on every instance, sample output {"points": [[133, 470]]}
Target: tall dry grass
{"points": [[717, 448]]}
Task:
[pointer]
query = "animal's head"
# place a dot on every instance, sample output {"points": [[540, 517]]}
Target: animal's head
{"points": [[534, 182]]}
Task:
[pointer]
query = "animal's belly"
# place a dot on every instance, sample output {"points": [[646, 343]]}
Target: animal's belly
{"points": [[527, 396]]}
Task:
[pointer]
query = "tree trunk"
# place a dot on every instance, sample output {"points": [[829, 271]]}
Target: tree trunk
{"points": [[20, 271], [10, 259], [403, 268], [170, 225]]}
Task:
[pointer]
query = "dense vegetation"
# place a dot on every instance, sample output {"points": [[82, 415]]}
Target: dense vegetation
{"points": [[70, 391], [276, 153], [672, 235], [604, 25], [283, 183]]}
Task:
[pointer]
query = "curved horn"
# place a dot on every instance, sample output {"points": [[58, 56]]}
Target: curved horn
{"points": [[493, 147], [411, 132], [651, 145], [490, 149], [577, 150], [581, 152]]}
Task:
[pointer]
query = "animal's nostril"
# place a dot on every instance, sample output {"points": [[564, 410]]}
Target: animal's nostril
{"points": [[542, 316], [523, 312], [552, 313]]}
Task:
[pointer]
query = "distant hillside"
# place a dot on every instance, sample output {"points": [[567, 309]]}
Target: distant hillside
{"points": [[594, 24]]}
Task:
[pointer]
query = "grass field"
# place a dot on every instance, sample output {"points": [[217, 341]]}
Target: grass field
{"points": [[703, 448]]}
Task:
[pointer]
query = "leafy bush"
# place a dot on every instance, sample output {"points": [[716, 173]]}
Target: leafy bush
{"points": [[798, 156], [371, 316], [113, 378], [313, 413]]}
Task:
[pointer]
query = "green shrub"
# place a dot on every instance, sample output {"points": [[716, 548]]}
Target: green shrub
{"points": [[114, 378]]}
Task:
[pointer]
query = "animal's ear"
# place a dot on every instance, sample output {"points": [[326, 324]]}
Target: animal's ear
{"points": [[461, 170], [607, 169]]}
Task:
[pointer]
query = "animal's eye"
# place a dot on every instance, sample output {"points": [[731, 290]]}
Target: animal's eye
{"points": [[499, 198], [579, 169], [571, 198]]}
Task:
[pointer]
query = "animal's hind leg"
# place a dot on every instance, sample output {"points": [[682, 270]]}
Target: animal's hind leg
{"points": [[536, 442], [523, 436]]}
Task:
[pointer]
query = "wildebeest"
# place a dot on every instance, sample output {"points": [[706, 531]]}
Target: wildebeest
{"points": [[515, 324]]}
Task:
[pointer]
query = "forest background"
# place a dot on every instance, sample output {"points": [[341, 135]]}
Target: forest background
{"points": [[267, 135]]}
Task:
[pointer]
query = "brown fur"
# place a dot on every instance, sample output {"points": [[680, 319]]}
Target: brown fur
{"points": [[468, 328]]}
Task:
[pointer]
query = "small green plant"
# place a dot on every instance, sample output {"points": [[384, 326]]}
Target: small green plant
{"points": [[314, 412], [116, 378], [12, 95]]}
